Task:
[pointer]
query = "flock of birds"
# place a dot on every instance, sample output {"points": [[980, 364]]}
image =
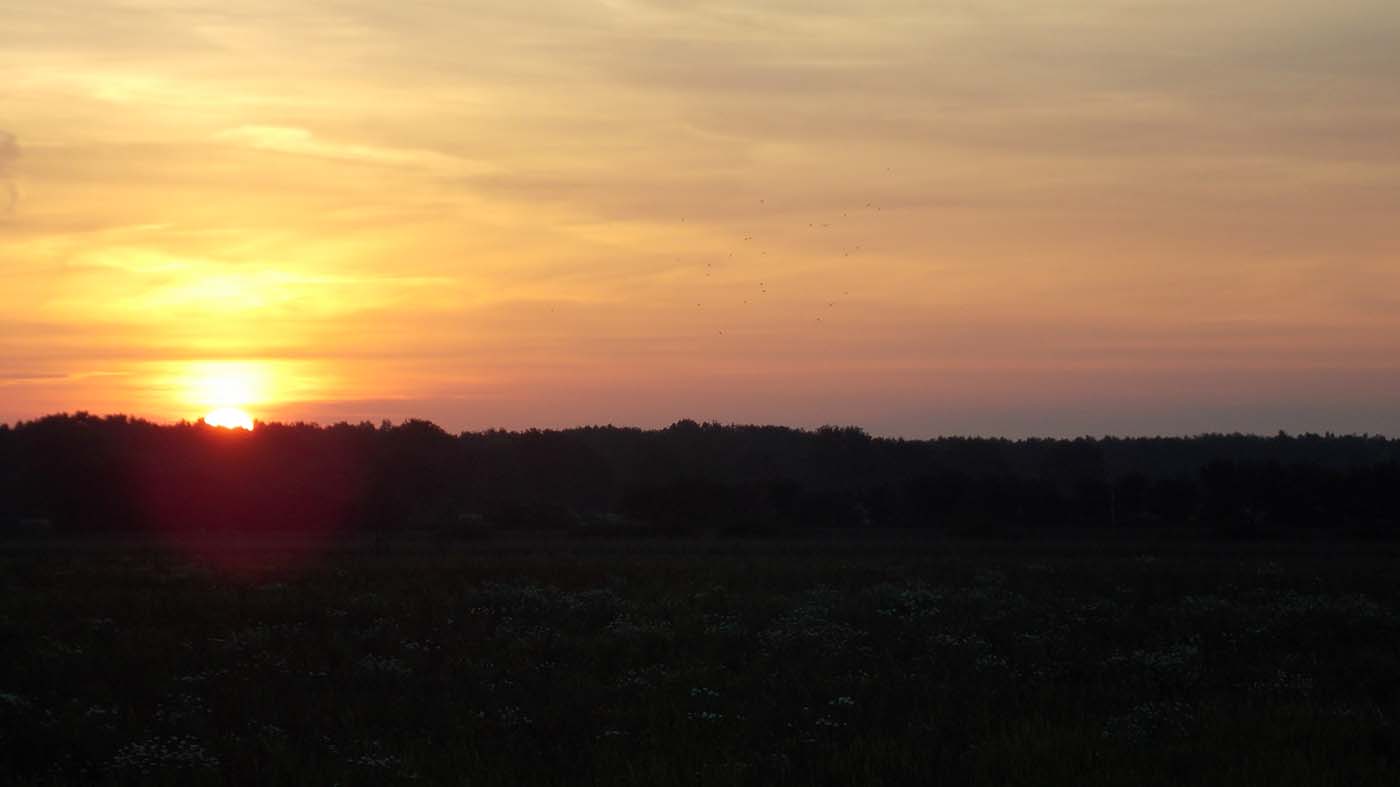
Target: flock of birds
{"points": [[762, 284]]}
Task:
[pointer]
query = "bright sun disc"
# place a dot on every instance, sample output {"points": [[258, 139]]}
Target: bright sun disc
{"points": [[229, 418]]}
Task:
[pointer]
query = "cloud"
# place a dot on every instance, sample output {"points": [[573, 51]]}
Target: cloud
{"points": [[301, 142], [9, 153]]}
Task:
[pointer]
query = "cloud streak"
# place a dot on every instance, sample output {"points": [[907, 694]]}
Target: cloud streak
{"points": [[302, 142], [9, 154]]}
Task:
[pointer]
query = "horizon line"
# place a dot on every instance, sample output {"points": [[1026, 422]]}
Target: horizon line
{"points": [[392, 424]]}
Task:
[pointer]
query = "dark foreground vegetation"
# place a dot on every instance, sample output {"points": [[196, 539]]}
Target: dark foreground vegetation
{"points": [[658, 663], [86, 474]]}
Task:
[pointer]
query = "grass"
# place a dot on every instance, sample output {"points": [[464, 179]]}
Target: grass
{"points": [[669, 664]]}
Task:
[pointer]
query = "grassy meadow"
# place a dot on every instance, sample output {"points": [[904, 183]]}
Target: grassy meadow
{"points": [[668, 663]]}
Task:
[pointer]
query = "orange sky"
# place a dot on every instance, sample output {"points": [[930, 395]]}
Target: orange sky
{"points": [[1062, 217]]}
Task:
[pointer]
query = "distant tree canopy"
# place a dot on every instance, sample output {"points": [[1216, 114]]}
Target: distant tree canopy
{"points": [[85, 473]]}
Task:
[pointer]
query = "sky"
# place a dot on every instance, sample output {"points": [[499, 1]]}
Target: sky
{"points": [[1041, 217]]}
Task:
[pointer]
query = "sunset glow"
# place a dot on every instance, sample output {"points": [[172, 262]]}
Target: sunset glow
{"points": [[923, 218], [228, 383], [229, 418], [375, 373]]}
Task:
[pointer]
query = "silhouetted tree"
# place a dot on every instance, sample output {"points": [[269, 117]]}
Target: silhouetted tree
{"points": [[87, 473]]}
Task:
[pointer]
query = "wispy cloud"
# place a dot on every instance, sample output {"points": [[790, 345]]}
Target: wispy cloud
{"points": [[8, 379], [302, 142], [9, 153]]}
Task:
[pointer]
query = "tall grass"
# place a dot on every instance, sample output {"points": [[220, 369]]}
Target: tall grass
{"points": [[667, 666]]}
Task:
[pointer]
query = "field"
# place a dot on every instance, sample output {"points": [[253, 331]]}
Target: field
{"points": [[668, 663]]}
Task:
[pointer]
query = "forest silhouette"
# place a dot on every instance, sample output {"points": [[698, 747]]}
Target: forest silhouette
{"points": [[81, 473]]}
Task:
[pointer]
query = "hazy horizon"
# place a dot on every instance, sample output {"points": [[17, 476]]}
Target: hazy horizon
{"points": [[1015, 437], [1114, 217]]}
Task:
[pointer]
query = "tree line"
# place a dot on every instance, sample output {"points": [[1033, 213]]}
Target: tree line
{"points": [[81, 473]]}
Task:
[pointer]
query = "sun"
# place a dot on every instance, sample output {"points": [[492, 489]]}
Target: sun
{"points": [[229, 418], [223, 389]]}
